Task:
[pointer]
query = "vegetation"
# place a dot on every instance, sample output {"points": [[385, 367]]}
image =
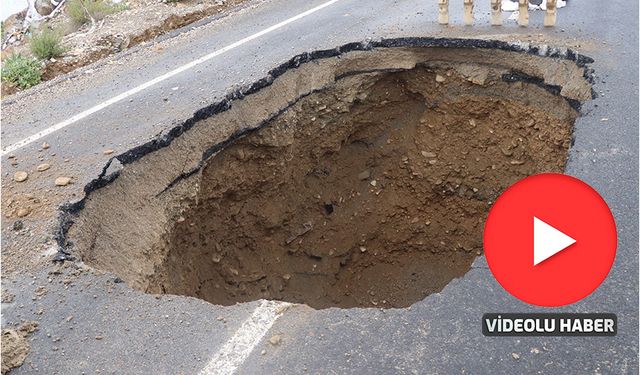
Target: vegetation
{"points": [[83, 11], [46, 44], [22, 71]]}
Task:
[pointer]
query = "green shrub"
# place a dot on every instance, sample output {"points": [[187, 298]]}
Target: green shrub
{"points": [[82, 11], [22, 71], [46, 44]]}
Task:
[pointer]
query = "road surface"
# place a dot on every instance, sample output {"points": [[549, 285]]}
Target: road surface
{"points": [[91, 323]]}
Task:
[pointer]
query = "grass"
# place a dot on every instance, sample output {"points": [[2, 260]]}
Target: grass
{"points": [[22, 71], [46, 44], [83, 11]]}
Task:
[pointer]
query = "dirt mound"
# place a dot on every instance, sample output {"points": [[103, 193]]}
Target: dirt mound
{"points": [[15, 347]]}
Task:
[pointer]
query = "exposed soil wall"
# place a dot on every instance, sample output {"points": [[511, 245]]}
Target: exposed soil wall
{"points": [[357, 180]]}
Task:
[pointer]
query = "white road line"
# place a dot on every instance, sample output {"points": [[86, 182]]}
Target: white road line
{"points": [[237, 349], [18, 145]]}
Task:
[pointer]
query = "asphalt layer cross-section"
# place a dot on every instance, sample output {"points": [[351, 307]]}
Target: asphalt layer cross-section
{"points": [[91, 323]]}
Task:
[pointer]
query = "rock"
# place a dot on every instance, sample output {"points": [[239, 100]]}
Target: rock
{"points": [[44, 7], [440, 78], [23, 211], [43, 167], [20, 176], [62, 181], [373, 183], [108, 152], [275, 340], [17, 225], [427, 154], [59, 257], [45, 145], [515, 356], [364, 175], [7, 297], [28, 327]]}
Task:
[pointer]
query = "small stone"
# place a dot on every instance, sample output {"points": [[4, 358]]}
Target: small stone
{"points": [[23, 211], [427, 154], [364, 175], [373, 183], [286, 276], [108, 152], [275, 340], [263, 352], [43, 167], [99, 337], [440, 78], [45, 145], [515, 356], [62, 181], [18, 225], [20, 176], [363, 249]]}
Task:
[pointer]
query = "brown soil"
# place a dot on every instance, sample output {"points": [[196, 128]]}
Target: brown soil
{"points": [[378, 201], [370, 192], [15, 347]]}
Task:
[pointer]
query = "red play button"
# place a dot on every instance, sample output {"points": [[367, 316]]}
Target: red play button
{"points": [[550, 239]]}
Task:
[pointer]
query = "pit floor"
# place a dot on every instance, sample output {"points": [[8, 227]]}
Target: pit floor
{"points": [[90, 324]]}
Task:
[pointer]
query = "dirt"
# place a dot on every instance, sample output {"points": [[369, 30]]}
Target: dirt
{"points": [[142, 21], [15, 346], [375, 199], [370, 190]]}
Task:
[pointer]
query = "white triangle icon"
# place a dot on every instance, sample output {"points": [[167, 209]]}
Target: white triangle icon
{"points": [[547, 241]]}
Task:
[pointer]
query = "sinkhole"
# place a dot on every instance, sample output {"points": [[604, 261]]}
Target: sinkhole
{"points": [[354, 177]]}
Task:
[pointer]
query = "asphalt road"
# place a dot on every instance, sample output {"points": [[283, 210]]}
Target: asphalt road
{"points": [[114, 329]]}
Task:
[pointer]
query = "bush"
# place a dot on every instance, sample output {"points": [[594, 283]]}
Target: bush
{"points": [[47, 44], [22, 71], [82, 11]]}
